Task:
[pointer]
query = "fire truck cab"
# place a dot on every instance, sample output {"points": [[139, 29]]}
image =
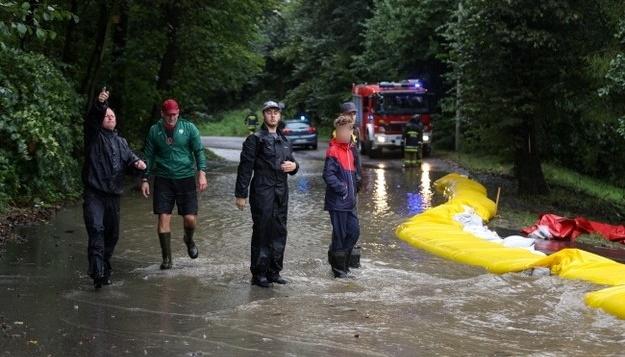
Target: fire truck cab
{"points": [[383, 109]]}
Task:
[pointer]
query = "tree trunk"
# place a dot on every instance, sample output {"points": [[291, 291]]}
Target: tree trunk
{"points": [[527, 163], [69, 55], [118, 62], [93, 66], [168, 62]]}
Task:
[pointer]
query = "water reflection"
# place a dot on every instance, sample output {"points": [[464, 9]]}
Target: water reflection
{"points": [[414, 202], [379, 193], [303, 184], [426, 186], [417, 202]]}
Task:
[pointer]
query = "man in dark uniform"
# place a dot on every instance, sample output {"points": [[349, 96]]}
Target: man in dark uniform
{"points": [[107, 158], [413, 142], [266, 159]]}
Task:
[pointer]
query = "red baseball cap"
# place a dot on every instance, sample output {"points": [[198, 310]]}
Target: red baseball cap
{"points": [[170, 106]]}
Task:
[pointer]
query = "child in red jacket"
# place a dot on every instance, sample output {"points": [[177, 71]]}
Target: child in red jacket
{"points": [[339, 173]]}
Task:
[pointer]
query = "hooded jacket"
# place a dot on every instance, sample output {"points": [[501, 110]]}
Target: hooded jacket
{"points": [[340, 176]]}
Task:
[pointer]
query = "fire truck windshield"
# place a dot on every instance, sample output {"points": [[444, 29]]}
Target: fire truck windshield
{"points": [[403, 103]]}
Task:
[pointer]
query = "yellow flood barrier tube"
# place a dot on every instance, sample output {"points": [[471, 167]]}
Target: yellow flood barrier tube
{"points": [[436, 232]]}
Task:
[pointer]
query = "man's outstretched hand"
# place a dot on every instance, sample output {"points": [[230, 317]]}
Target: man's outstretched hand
{"points": [[104, 95]]}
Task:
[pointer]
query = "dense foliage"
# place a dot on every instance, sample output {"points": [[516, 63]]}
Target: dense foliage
{"points": [[530, 80]]}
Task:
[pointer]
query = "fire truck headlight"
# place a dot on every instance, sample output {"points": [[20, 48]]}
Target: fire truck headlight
{"points": [[426, 138], [380, 138]]}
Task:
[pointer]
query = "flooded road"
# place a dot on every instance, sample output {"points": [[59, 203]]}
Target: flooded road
{"points": [[404, 302]]}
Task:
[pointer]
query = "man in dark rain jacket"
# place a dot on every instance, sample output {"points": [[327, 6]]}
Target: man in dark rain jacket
{"points": [[107, 157], [266, 159]]}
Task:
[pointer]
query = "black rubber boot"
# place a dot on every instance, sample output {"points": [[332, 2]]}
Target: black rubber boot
{"points": [[261, 281], [338, 262], [188, 240], [354, 258], [276, 278], [97, 283], [96, 271], [165, 239], [108, 271]]}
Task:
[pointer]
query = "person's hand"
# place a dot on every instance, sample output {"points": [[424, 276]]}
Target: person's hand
{"points": [[202, 184], [103, 96], [140, 165], [288, 166], [241, 202], [145, 189]]}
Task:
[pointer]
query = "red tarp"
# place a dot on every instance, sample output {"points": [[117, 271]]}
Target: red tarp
{"points": [[567, 228]]}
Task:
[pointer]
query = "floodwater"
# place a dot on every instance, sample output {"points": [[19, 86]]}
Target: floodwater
{"points": [[403, 302]]}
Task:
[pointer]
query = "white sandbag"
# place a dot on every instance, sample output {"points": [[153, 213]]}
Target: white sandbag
{"points": [[482, 232], [518, 242], [468, 219]]}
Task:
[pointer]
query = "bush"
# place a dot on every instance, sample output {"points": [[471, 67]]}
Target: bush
{"points": [[41, 131]]}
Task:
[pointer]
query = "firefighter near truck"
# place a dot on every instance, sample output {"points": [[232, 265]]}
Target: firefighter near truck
{"points": [[383, 109]]}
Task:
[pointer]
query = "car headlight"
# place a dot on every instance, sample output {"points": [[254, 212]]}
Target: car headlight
{"points": [[426, 138], [380, 138]]}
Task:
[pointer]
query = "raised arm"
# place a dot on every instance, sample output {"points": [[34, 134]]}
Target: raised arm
{"points": [[93, 120]]}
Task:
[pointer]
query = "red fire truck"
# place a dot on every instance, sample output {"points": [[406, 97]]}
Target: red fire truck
{"points": [[383, 109]]}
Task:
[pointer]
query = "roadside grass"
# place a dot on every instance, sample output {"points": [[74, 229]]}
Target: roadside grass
{"points": [[598, 241], [556, 176], [228, 123]]}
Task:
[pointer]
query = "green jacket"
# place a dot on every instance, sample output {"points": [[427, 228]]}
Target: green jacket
{"points": [[180, 159]]}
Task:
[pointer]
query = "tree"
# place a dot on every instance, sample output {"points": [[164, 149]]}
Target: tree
{"points": [[39, 128], [322, 39], [514, 60], [402, 40], [201, 52], [24, 22]]}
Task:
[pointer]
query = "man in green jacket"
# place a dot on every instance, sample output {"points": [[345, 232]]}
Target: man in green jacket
{"points": [[175, 157]]}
